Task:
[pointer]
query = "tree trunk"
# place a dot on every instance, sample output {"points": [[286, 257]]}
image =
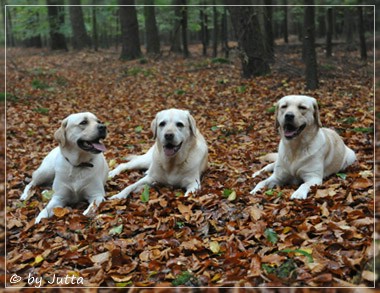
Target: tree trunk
{"points": [[349, 28], [309, 46], [129, 31], [95, 37], [285, 25], [225, 34], [269, 39], [363, 47], [185, 46], [9, 34], [250, 40], [151, 33], [81, 39], [329, 33], [176, 37], [215, 32], [56, 20], [203, 20]]}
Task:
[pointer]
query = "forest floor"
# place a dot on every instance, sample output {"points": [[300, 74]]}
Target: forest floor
{"points": [[222, 236]]}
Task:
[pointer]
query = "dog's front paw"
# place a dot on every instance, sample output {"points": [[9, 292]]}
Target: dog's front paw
{"points": [[113, 173], [298, 195], [257, 173], [43, 214]]}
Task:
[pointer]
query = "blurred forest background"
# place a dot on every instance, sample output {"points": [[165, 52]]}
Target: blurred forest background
{"points": [[246, 32], [228, 65]]}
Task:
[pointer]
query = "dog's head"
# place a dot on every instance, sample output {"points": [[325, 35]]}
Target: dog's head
{"points": [[82, 130], [172, 129], [296, 114]]}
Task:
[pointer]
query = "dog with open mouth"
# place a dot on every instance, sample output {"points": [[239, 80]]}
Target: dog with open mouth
{"points": [[76, 168], [177, 158], [307, 152]]}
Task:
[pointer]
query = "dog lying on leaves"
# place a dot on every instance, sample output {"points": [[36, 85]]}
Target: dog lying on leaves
{"points": [[307, 152], [76, 168], [177, 158]]}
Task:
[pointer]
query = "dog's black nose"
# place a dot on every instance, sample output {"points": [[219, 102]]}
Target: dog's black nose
{"points": [[102, 129], [169, 136], [289, 116]]}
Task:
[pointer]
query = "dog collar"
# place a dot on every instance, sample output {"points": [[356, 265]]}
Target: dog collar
{"points": [[81, 165]]}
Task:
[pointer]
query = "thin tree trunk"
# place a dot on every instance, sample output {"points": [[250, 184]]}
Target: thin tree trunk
{"points": [[225, 34], [151, 33], [329, 32], [95, 38], [269, 39], [203, 20], [363, 47], [285, 24], [309, 46], [176, 37], [185, 45], [215, 32]]}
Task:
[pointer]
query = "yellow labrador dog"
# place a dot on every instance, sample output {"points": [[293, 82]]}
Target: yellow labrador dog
{"points": [[178, 157], [77, 168], [307, 152]]}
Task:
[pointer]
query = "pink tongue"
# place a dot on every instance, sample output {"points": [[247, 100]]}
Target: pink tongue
{"points": [[169, 151], [290, 132], [99, 146]]}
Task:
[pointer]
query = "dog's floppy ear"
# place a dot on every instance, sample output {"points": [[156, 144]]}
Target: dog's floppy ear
{"points": [[60, 134], [317, 118], [153, 126], [276, 115], [193, 125]]}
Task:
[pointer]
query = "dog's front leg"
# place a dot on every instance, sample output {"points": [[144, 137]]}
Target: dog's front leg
{"points": [[95, 201], [47, 212], [134, 187], [270, 182], [303, 190], [122, 167], [267, 168], [193, 187]]}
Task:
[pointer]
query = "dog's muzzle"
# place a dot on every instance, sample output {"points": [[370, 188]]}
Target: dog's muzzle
{"points": [[94, 146]]}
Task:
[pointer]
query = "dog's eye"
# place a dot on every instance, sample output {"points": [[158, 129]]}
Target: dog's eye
{"points": [[302, 107], [180, 124], [284, 106], [84, 122], [162, 124]]}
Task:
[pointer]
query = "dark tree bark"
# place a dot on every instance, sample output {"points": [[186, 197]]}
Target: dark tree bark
{"points": [[309, 46], [185, 46], [9, 34], [329, 32], [285, 24], [225, 34], [176, 36], [204, 28], [130, 39], [80, 39], [215, 32], [95, 37], [363, 46], [250, 40], [56, 20], [151, 33], [349, 28], [269, 39]]}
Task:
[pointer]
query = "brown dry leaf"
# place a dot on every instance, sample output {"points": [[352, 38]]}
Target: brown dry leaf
{"points": [[362, 183], [60, 212]]}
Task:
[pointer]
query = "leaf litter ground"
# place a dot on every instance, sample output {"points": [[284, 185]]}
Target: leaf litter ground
{"points": [[221, 236]]}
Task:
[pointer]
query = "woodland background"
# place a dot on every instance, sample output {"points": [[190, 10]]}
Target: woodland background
{"points": [[228, 65]]}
